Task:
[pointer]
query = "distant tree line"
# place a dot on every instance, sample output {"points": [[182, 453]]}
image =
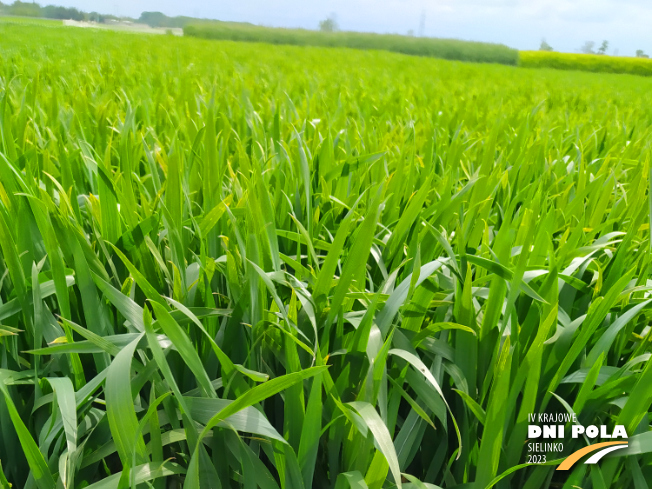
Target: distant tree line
{"points": [[588, 48], [330, 36], [159, 19], [29, 9]]}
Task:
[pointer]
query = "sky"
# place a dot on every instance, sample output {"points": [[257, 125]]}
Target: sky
{"points": [[565, 24]]}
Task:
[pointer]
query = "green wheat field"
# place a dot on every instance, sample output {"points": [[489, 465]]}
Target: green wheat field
{"points": [[238, 265]]}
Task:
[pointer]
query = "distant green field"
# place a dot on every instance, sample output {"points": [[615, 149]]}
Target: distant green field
{"points": [[585, 62], [242, 265], [10, 19], [438, 48]]}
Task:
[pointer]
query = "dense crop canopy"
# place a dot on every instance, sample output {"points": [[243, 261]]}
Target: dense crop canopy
{"points": [[237, 265], [454, 49]]}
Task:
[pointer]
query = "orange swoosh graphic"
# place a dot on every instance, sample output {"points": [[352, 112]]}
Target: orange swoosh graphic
{"points": [[574, 457]]}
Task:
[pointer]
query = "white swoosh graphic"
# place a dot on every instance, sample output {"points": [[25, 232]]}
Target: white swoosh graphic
{"points": [[596, 458]]}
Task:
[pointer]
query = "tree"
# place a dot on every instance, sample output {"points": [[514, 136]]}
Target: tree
{"points": [[329, 24], [545, 46], [54, 12], [588, 47], [603, 47], [641, 54], [154, 19], [24, 9]]}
